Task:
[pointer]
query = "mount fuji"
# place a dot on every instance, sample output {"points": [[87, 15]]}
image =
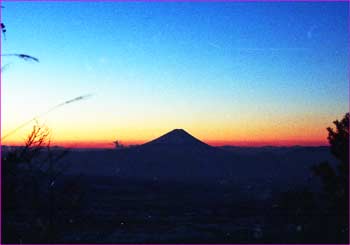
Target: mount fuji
{"points": [[179, 156], [177, 138]]}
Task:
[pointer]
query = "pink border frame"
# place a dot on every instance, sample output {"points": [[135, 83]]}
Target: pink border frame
{"points": [[157, 1]]}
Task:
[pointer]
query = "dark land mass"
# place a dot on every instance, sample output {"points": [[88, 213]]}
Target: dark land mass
{"points": [[177, 189]]}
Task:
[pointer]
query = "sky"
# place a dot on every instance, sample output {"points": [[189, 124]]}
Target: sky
{"points": [[252, 74]]}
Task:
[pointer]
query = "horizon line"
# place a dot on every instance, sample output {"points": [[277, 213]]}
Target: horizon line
{"points": [[126, 144]]}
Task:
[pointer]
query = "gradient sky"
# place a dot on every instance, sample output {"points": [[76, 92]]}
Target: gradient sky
{"points": [[267, 73]]}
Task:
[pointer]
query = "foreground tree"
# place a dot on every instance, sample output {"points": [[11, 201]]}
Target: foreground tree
{"points": [[306, 215], [335, 178], [36, 197]]}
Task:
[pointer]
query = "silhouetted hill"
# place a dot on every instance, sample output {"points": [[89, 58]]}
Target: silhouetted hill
{"points": [[178, 156], [177, 138]]}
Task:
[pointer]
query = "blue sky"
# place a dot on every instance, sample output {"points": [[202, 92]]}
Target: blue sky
{"points": [[226, 71]]}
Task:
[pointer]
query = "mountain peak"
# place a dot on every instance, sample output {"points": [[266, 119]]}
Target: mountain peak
{"points": [[176, 137], [178, 131]]}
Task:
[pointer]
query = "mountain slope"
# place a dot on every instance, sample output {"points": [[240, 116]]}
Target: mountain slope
{"points": [[177, 138], [179, 156]]}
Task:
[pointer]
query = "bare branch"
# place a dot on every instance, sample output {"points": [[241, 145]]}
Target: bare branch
{"points": [[25, 57]]}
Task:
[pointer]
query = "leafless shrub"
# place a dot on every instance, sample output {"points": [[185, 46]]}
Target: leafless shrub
{"points": [[30, 174]]}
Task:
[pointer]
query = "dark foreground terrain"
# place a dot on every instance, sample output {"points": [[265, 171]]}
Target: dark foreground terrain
{"points": [[258, 202], [115, 211]]}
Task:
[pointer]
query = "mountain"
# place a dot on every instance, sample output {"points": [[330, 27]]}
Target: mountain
{"points": [[179, 156], [175, 139]]}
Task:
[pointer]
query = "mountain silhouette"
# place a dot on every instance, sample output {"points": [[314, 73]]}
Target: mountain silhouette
{"points": [[179, 156], [176, 138]]}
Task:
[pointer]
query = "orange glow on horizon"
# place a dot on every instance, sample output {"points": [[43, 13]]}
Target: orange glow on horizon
{"points": [[110, 145], [269, 143], [258, 133]]}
